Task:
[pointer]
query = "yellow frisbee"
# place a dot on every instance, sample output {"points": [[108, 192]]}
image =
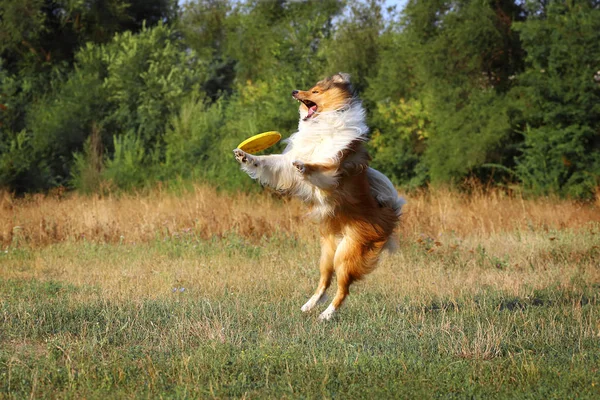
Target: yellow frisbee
{"points": [[260, 142]]}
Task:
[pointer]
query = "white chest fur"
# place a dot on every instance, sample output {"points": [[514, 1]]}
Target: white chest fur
{"points": [[322, 138]]}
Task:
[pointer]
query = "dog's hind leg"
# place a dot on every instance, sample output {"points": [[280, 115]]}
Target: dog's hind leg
{"points": [[353, 259], [328, 246], [345, 256]]}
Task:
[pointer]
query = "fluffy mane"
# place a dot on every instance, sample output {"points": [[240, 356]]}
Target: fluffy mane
{"points": [[322, 139]]}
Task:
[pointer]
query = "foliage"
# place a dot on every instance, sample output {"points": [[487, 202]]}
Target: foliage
{"points": [[355, 46], [191, 137], [39, 40], [466, 55], [280, 38], [126, 166], [506, 91], [206, 28], [400, 140], [86, 174], [560, 100], [49, 95], [44, 31], [130, 86], [393, 76], [147, 75]]}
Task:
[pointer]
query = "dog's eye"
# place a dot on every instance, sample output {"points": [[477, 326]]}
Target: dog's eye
{"points": [[315, 91]]}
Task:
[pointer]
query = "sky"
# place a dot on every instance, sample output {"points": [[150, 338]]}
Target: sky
{"points": [[399, 3]]}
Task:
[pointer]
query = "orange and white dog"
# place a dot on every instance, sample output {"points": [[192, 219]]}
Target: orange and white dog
{"points": [[326, 164]]}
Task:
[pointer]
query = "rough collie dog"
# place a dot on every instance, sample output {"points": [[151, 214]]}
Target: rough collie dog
{"points": [[326, 164]]}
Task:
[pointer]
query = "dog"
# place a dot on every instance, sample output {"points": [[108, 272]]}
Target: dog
{"points": [[326, 164]]}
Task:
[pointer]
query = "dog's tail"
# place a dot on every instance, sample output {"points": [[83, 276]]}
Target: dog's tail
{"points": [[384, 191], [386, 195], [397, 205]]}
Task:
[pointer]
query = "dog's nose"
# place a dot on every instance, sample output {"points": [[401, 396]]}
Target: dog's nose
{"points": [[294, 93]]}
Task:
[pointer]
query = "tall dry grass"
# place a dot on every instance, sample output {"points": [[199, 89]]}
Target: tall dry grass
{"points": [[40, 220]]}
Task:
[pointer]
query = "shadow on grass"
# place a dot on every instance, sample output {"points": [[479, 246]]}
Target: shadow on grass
{"points": [[548, 297]]}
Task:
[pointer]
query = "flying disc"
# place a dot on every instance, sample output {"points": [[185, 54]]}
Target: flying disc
{"points": [[260, 142]]}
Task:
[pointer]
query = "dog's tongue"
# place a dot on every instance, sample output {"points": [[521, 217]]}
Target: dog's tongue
{"points": [[311, 111]]}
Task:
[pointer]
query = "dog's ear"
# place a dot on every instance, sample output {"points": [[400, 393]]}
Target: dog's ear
{"points": [[341, 77]]}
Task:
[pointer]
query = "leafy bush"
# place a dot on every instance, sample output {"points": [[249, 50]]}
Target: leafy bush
{"points": [[44, 103], [399, 141], [455, 90], [465, 54], [280, 39], [191, 138], [125, 168], [147, 76], [139, 82], [562, 161], [60, 123], [16, 168], [560, 100], [201, 138], [87, 166], [467, 139]]}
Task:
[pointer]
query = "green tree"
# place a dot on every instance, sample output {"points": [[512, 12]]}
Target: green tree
{"points": [[49, 31], [559, 96], [146, 79], [39, 39], [355, 45], [399, 121], [399, 140], [205, 27], [38, 43], [466, 55], [111, 90], [280, 38], [130, 86], [392, 75]]}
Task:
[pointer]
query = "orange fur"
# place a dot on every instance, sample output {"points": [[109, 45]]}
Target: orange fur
{"points": [[328, 94], [327, 165], [364, 228], [354, 235]]}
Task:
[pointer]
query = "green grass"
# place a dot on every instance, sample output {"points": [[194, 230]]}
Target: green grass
{"points": [[85, 320]]}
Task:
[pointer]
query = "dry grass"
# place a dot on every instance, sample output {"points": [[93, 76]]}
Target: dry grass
{"points": [[40, 220], [451, 244], [488, 296]]}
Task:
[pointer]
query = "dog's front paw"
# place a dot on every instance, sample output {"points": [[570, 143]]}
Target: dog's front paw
{"points": [[299, 165], [245, 159], [241, 156]]}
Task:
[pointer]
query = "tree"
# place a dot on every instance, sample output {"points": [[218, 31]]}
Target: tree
{"points": [[39, 40], [466, 55], [354, 48], [128, 87], [205, 27], [559, 96]]}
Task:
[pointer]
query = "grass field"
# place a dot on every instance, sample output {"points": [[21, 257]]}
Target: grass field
{"points": [[198, 295]]}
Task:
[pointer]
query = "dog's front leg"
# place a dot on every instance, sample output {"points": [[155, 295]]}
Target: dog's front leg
{"points": [[273, 170], [323, 176]]}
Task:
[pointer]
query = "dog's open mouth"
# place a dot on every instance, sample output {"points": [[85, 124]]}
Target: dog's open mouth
{"points": [[312, 108]]}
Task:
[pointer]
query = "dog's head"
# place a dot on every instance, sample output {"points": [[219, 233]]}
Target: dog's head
{"points": [[330, 94]]}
